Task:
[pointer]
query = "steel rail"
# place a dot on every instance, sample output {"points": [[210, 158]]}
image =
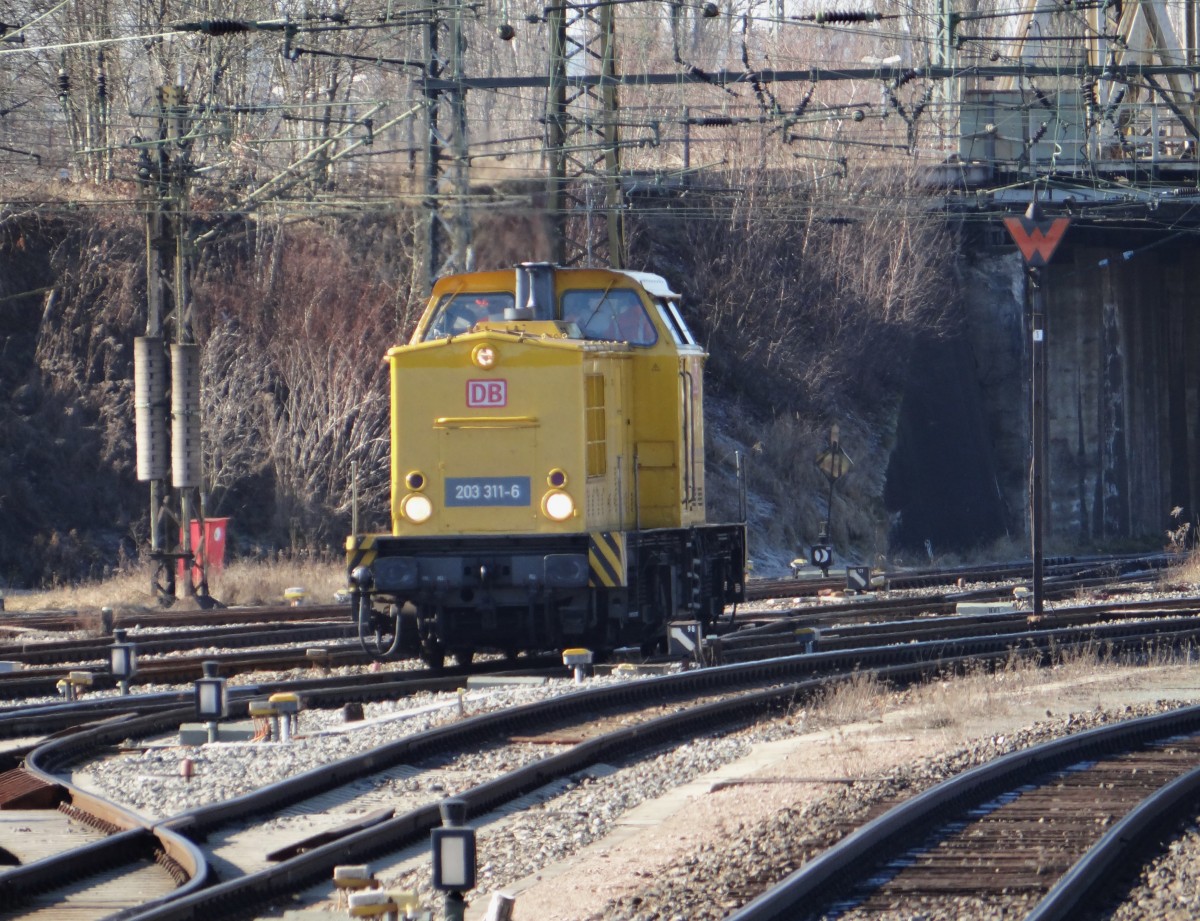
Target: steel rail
{"points": [[234, 896], [19, 722], [131, 839], [44, 681], [97, 650], [45, 762], [793, 636], [1067, 569], [910, 660], [78, 620], [1114, 852], [851, 859]]}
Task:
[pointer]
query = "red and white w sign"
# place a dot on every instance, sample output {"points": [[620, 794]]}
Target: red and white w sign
{"points": [[1037, 240]]}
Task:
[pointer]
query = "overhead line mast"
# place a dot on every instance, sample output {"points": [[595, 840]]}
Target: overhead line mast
{"points": [[446, 224], [583, 190], [161, 406]]}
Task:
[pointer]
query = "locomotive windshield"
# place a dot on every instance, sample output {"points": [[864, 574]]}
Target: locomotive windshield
{"points": [[615, 315], [457, 313]]}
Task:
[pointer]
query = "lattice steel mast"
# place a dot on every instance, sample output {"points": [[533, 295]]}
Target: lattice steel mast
{"points": [[582, 141], [446, 226]]}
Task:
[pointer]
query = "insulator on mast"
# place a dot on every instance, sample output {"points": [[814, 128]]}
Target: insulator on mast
{"points": [[216, 26], [150, 419], [824, 17], [101, 78]]}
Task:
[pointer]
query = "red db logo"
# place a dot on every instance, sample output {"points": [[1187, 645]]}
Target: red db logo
{"points": [[487, 393]]}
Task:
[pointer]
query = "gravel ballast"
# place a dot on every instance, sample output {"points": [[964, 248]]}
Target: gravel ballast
{"points": [[721, 864]]}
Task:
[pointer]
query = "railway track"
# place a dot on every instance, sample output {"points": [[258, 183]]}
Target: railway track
{"points": [[843, 651], [96, 649], [789, 678], [41, 720], [1062, 574], [220, 819], [804, 630], [837, 633], [1033, 834], [16, 624], [162, 659]]}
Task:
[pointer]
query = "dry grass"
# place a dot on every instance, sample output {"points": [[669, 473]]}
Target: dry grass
{"points": [[1185, 570], [242, 583], [953, 703], [945, 702], [861, 697]]}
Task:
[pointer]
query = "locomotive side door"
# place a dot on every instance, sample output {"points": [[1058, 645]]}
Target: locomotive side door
{"points": [[691, 401]]}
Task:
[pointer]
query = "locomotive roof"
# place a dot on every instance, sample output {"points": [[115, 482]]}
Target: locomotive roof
{"points": [[655, 285]]}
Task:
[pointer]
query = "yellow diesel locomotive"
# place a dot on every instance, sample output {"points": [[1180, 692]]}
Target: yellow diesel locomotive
{"points": [[547, 473]]}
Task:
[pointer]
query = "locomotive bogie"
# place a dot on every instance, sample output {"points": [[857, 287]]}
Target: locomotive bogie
{"points": [[601, 590]]}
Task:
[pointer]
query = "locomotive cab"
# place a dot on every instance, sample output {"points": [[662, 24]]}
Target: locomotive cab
{"points": [[547, 472]]}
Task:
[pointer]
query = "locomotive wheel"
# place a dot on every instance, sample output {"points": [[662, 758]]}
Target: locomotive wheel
{"points": [[433, 655], [464, 656], [410, 631]]}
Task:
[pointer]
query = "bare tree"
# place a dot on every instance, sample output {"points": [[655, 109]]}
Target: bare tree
{"points": [[295, 384]]}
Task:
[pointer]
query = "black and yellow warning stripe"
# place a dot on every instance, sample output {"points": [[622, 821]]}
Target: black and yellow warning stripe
{"points": [[360, 551], [606, 560]]}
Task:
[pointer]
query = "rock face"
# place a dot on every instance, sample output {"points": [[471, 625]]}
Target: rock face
{"points": [[1123, 397], [942, 474], [1124, 407]]}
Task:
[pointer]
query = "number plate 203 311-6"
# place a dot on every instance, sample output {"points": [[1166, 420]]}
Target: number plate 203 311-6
{"points": [[487, 490]]}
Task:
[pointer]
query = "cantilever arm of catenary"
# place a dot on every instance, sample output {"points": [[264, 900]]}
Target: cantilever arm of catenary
{"points": [[271, 184]]}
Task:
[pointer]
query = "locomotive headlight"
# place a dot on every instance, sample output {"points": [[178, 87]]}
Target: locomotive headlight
{"points": [[484, 356], [557, 478], [415, 480], [416, 508], [558, 505]]}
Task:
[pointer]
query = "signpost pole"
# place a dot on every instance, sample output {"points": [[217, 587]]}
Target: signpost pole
{"points": [[834, 463], [1037, 390], [1037, 238]]}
